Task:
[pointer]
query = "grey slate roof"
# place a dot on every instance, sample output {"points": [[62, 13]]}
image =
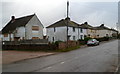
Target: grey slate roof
{"points": [[63, 22], [114, 30], [86, 26], [102, 27], [11, 26]]}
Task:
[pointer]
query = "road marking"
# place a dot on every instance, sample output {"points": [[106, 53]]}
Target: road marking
{"points": [[62, 62]]}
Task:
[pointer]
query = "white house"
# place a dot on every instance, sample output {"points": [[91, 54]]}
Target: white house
{"points": [[27, 27], [90, 30], [58, 31], [103, 31]]}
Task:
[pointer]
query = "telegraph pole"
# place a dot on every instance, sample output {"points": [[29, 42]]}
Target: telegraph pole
{"points": [[67, 20]]}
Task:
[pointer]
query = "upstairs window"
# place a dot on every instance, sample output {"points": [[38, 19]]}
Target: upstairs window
{"points": [[73, 29], [36, 28], [81, 30]]}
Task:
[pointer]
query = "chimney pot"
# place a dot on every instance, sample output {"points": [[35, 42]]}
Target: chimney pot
{"points": [[13, 17], [67, 18], [102, 24], [86, 23]]}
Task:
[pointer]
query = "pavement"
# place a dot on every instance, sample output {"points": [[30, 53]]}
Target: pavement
{"points": [[101, 58], [16, 56]]}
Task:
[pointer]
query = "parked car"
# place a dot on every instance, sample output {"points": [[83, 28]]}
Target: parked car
{"points": [[92, 42]]}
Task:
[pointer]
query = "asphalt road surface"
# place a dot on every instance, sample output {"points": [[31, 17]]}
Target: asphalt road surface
{"points": [[101, 58]]}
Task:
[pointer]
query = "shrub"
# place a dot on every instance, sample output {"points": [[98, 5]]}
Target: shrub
{"points": [[83, 42], [103, 39], [57, 42], [87, 38]]}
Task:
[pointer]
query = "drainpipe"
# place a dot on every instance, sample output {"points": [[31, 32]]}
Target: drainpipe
{"points": [[78, 33], [25, 34]]}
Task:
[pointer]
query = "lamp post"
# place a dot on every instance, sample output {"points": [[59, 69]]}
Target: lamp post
{"points": [[67, 20]]}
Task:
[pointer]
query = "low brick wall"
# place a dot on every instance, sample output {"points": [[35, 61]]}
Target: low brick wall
{"points": [[63, 45]]}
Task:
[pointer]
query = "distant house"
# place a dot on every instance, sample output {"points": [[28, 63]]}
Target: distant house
{"points": [[103, 31], [58, 31], [27, 27], [90, 30], [114, 33]]}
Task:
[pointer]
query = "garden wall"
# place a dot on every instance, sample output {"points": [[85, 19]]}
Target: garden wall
{"points": [[63, 45]]}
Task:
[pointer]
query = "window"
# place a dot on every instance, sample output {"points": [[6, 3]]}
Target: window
{"points": [[54, 29], [73, 29], [81, 36], [85, 36], [106, 35], [73, 37], [89, 35], [53, 39], [35, 28], [35, 37], [5, 35], [91, 30], [68, 37], [81, 30]]}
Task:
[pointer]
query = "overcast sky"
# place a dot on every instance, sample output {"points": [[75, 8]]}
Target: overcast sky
{"points": [[50, 11]]}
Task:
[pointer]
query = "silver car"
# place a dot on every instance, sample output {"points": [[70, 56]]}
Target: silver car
{"points": [[92, 42]]}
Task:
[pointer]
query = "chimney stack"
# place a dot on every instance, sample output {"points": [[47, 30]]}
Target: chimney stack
{"points": [[67, 18], [86, 23], [13, 18], [102, 25]]}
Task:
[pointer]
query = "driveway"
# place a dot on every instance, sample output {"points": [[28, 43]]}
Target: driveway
{"points": [[102, 58]]}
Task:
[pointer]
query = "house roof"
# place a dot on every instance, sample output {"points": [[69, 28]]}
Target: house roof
{"points": [[102, 27], [86, 26], [17, 22], [114, 30], [63, 22]]}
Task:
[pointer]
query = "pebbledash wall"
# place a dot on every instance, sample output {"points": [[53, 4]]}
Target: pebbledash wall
{"points": [[103, 33], [60, 33], [30, 33]]}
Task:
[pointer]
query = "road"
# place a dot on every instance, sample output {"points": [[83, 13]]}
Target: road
{"points": [[101, 58]]}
